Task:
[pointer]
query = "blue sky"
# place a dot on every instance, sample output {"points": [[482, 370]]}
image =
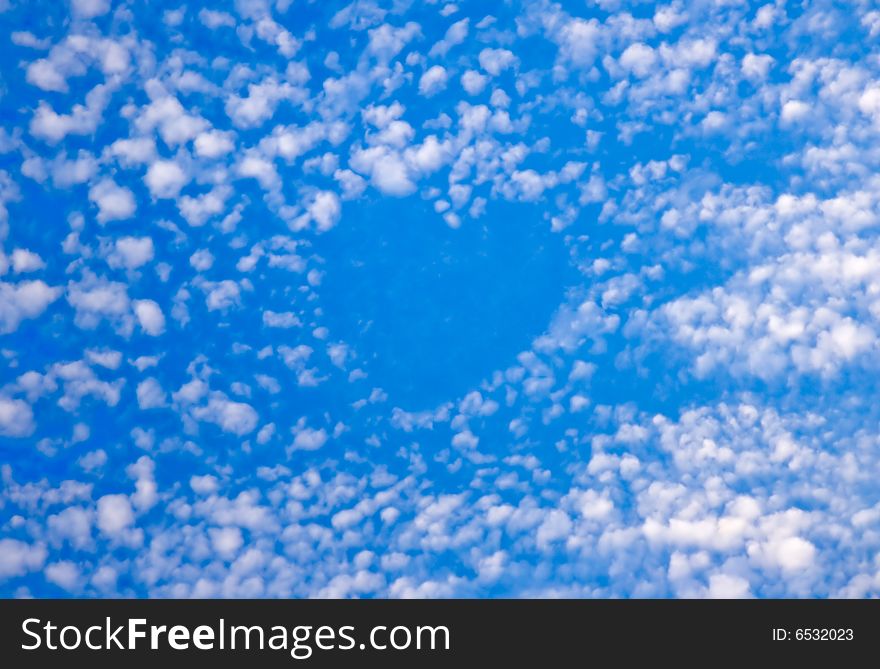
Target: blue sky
{"points": [[432, 299]]}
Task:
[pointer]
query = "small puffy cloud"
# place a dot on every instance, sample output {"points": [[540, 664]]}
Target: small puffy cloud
{"points": [[353, 185], [65, 574], [24, 300], [578, 42], [114, 202], [756, 66], [214, 144], [283, 319], [89, 9], [260, 103], [495, 61], [115, 515], [16, 418], [149, 316], [202, 260], [726, 586], [255, 166], [325, 210], [794, 111], [204, 485], [17, 558], [455, 34], [222, 295], [213, 19], [44, 74], [307, 439], [165, 178], [150, 394], [52, 127], [236, 418], [226, 541], [134, 151], [24, 261], [197, 210], [639, 59], [387, 169], [555, 526], [433, 81], [473, 82], [175, 125], [131, 252], [97, 299]]}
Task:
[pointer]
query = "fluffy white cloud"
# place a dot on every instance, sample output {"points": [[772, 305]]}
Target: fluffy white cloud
{"points": [[165, 178], [236, 418], [474, 82], [96, 299], [115, 515], [114, 202], [89, 9], [24, 300], [433, 81], [308, 439], [16, 418], [325, 210], [149, 316], [131, 252], [18, 558], [150, 394], [495, 61], [24, 261], [214, 144]]}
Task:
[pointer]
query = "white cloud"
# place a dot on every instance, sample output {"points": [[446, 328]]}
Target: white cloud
{"points": [[97, 299], [495, 61], [214, 19], [202, 260], [24, 300], [222, 295], [150, 317], [474, 82], [639, 59], [234, 417], [433, 81], [43, 74], [198, 210], [794, 111], [726, 586], [52, 127], [89, 9], [134, 151], [115, 515], [24, 261], [387, 170], [165, 178], [65, 574], [325, 210], [16, 418], [131, 252], [17, 558], [260, 103], [214, 144], [284, 319], [226, 541], [455, 35], [308, 439], [578, 42], [167, 114], [114, 202], [150, 394]]}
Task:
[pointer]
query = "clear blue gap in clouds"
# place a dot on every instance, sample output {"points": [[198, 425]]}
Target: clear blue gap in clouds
{"points": [[439, 299]]}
